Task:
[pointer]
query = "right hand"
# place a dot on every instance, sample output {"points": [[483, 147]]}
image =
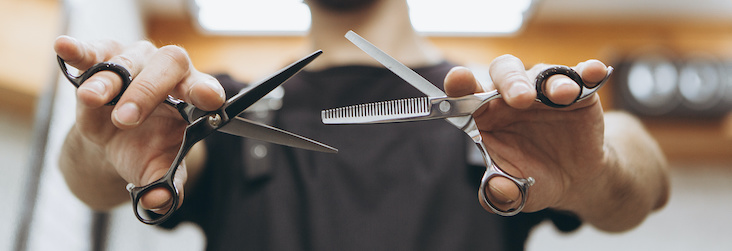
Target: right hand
{"points": [[139, 137]]}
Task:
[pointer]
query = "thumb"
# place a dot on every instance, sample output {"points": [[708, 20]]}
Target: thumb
{"points": [[160, 199]]}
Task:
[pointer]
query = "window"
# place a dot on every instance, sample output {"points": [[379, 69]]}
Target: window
{"points": [[431, 17]]}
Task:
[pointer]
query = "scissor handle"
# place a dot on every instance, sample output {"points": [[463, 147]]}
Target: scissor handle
{"points": [[155, 217], [103, 66], [492, 171], [195, 132], [510, 208], [542, 78]]}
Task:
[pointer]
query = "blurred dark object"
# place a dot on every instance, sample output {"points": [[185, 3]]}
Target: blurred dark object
{"points": [[660, 85]]}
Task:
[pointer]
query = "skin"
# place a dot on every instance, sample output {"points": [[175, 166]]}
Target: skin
{"points": [[604, 167]]}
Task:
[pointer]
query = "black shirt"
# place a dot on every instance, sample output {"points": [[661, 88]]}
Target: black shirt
{"points": [[400, 186]]}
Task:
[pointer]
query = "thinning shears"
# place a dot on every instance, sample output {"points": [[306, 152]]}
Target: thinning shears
{"points": [[457, 111], [202, 123]]}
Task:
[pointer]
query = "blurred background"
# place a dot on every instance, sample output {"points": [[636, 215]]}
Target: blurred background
{"points": [[674, 70]]}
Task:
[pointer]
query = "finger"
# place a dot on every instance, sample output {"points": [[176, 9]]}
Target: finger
{"points": [[83, 55], [510, 78], [592, 72], [92, 112], [95, 124], [99, 89], [202, 90], [561, 90], [104, 86], [460, 81], [503, 193], [160, 200], [162, 72]]}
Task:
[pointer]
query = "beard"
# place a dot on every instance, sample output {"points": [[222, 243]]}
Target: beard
{"points": [[342, 5]]}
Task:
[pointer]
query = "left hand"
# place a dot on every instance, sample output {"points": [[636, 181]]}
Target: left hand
{"points": [[561, 148]]}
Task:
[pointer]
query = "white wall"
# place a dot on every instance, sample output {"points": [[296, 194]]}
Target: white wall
{"points": [[15, 134]]}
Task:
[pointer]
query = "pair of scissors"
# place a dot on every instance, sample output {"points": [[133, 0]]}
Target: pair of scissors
{"points": [[457, 111], [202, 123]]}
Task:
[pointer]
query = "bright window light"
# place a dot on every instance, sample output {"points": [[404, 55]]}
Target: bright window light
{"points": [[468, 17], [431, 17], [266, 17]]}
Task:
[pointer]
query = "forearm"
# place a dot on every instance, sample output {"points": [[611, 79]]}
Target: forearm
{"points": [[89, 176], [634, 181]]}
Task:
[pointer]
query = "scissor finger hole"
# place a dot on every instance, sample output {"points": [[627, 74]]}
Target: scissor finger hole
{"points": [[157, 199], [71, 73], [542, 81], [503, 194], [153, 204], [562, 90], [103, 66]]}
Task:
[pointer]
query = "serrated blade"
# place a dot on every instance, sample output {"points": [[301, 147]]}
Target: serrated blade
{"points": [[379, 112]]}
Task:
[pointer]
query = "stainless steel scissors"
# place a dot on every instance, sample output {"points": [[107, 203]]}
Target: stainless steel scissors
{"points": [[203, 123], [457, 111]]}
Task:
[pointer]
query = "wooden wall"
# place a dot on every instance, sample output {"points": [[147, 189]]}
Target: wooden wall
{"points": [[26, 52]]}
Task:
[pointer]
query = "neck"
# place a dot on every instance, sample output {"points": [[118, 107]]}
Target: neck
{"points": [[386, 24]]}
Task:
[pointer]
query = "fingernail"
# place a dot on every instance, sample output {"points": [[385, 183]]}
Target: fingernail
{"points": [[164, 207], [560, 84], [97, 87], [558, 87], [501, 196], [72, 39], [211, 85], [518, 89], [127, 114], [195, 97], [216, 87]]}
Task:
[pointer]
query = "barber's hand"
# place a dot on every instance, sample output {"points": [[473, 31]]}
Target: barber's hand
{"points": [[561, 148], [139, 137]]}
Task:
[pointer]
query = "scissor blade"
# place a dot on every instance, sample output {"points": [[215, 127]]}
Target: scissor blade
{"points": [[253, 130], [411, 109], [240, 102], [395, 66], [380, 112]]}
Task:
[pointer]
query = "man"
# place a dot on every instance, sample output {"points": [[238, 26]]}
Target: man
{"points": [[394, 186]]}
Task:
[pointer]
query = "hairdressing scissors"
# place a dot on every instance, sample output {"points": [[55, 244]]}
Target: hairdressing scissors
{"points": [[456, 110], [203, 123]]}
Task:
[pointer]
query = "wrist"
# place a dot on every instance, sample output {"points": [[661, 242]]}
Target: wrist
{"points": [[591, 196], [631, 180], [89, 175]]}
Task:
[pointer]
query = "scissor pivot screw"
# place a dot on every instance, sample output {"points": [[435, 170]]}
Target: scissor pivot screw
{"points": [[214, 120], [445, 106]]}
